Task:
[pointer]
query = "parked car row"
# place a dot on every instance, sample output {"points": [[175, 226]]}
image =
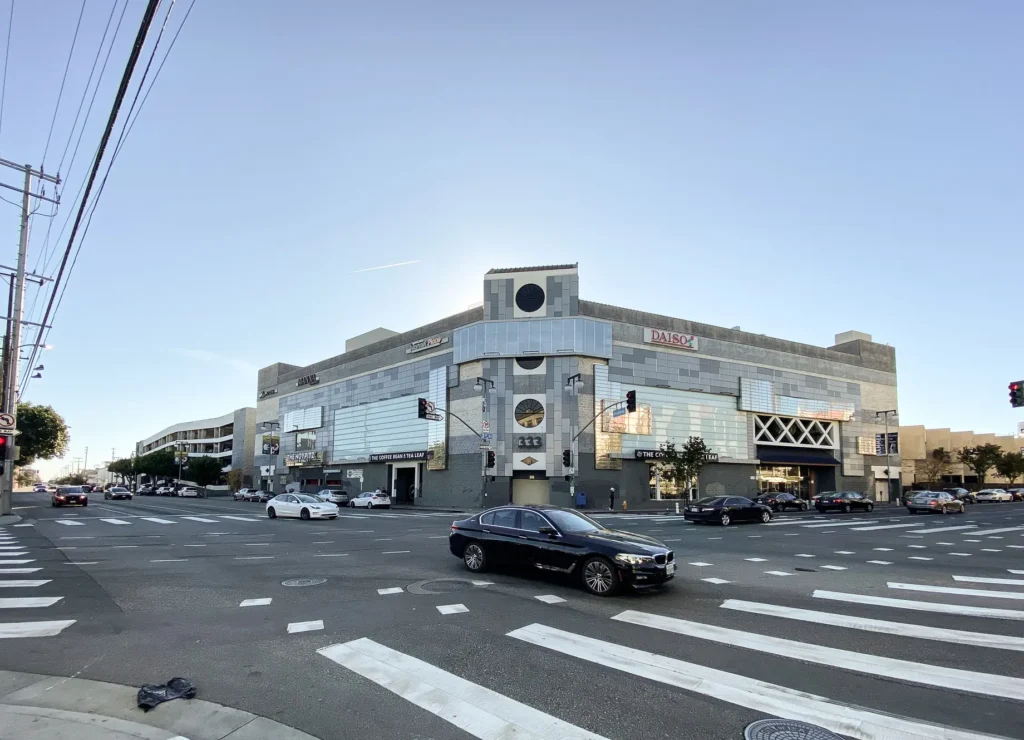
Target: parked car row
{"points": [[336, 496]]}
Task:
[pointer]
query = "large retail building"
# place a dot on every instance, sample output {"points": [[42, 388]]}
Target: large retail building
{"points": [[530, 370], [227, 438]]}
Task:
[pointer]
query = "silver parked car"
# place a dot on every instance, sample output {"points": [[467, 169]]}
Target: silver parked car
{"points": [[333, 496]]}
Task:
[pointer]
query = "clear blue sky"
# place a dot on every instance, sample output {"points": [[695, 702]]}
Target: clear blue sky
{"points": [[795, 168]]}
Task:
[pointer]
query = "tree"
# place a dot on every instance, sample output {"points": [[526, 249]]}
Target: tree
{"points": [[1011, 466], [75, 479], [234, 479], [124, 467], [980, 459], [936, 465], [25, 477], [44, 435], [683, 466], [159, 464], [204, 471]]}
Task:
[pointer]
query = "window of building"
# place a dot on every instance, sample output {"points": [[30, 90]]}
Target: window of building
{"points": [[791, 432], [529, 413], [305, 441], [530, 297], [529, 363]]}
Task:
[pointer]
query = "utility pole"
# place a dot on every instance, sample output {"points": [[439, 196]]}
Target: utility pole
{"points": [[888, 468], [13, 348], [85, 466]]}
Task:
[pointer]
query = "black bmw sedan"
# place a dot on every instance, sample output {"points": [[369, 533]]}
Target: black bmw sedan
{"points": [[726, 510], [563, 541]]}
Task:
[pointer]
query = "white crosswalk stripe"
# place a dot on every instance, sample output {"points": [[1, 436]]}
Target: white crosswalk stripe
{"points": [[202, 519], [874, 527], [115, 521], [921, 606], [10, 630], [69, 522], [30, 602], [158, 520], [957, 591]]}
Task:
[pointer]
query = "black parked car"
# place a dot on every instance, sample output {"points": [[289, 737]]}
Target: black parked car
{"points": [[725, 510], [117, 492], [781, 501], [564, 541], [844, 501]]}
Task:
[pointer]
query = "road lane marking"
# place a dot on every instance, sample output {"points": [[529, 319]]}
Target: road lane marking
{"points": [[157, 520], [997, 531], [550, 599], [331, 555], [919, 547], [115, 521], [33, 629], [834, 567], [882, 549], [716, 581], [778, 573], [902, 629], [918, 557], [1010, 570], [452, 609], [24, 584], [880, 562], [194, 545], [700, 564], [324, 542], [803, 555], [921, 606], [883, 526], [256, 602], [20, 571], [257, 544], [394, 552], [958, 591], [202, 519], [482, 583], [255, 557], [478, 711], [123, 547], [784, 523], [9, 554], [24, 525], [936, 530], [997, 581], [389, 591], [738, 689], [22, 562], [990, 549], [845, 552], [68, 522], [832, 524], [170, 560], [238, 518], [29, 602], [312, 626], [922, 674], [961, 554], [757, 560]]}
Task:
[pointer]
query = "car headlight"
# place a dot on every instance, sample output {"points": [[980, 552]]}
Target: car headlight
{"points": [[631, 559]]}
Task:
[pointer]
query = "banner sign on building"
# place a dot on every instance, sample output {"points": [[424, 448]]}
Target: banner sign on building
{"points": [[268, 392], [660, 455], [894, 443], [401, 456], [424, 344], [271, 444], [304, 459], [670, 338], [311, 379]]}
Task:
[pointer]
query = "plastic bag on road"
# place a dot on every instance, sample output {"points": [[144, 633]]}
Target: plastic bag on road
{"points": [[152, 694]]}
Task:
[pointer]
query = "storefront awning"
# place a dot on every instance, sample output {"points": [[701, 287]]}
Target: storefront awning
{"points": [[795, 456]]}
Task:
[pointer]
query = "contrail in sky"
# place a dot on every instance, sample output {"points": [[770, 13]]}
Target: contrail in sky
{"points": [[385, 267]]}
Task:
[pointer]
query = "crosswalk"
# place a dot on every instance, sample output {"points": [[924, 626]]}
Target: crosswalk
{"points": [[171, 519], [485, 713], [29, 628]]}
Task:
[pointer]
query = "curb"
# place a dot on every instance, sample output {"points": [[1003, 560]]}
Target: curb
{"points": [[112, 712], [6, 519]]}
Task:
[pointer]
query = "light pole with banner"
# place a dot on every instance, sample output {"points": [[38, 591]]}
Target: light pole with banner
{"points": [[181, 455], [888, 451], [571, 384], [484, 386], [268, 450]]}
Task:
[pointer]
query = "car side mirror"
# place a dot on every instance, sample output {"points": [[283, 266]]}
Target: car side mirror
{"points": [[550, 531]]}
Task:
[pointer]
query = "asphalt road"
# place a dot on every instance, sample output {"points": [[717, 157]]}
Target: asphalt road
{"points": [[869, 638]]}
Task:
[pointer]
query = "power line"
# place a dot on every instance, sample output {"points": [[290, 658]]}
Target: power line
{"points": [[60, 93], [133, 58], [7, 54]]}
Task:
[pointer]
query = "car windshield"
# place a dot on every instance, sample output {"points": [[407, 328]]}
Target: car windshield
{"points": [[307, 499], [118, 489], [926, 494], [710, 501], [570, 521], [71, 489]]}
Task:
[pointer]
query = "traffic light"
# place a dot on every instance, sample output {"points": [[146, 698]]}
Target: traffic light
{"points": [[490, 459], [1017, 394], [421, 408], [567, 458], [4, 441], [630, 401]]}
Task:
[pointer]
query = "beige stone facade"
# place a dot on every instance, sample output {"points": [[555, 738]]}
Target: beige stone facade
{"points": [[916, 443]]}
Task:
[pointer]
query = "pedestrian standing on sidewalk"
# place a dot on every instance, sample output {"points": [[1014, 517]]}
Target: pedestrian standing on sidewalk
{"points": [[611, 500]]}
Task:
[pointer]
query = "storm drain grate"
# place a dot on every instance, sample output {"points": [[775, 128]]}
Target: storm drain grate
{"points": [[786, 729], [304, 582], [440, 586]]}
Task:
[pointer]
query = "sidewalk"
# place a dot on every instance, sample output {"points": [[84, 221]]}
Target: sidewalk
{"points": [[37, 707]]}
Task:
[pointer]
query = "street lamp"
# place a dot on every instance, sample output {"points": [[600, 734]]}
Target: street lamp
{"points": [[888, 468], [485, 386], [271, 425]]}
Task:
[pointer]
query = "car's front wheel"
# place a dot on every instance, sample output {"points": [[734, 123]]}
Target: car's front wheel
{"points": [[304, 514], [369, 505], [869, 508], [766, 516], [846, 508], [474, 557], [599, 577], [725, 519], [271, 513]]}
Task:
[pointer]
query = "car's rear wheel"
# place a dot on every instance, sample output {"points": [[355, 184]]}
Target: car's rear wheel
{"points": [[271, 513], [599, 577], [869, 508], [846, 508], [725, 519], [766, 516], [369, 505], [474, 557], [304, 514]]}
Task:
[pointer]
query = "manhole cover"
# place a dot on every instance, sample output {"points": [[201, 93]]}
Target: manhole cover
{"points": [[440, 586], [304, 582], [786, 729]]}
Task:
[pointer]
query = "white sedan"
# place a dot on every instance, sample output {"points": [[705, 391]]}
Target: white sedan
{"points": [[994, 494], [371, 500], [301, 505]]}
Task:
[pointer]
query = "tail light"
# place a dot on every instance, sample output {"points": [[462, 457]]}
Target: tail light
{"points": [[932, 503]]}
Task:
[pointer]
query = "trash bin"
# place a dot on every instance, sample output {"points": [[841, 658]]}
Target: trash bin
{"points": [[581, 500]]}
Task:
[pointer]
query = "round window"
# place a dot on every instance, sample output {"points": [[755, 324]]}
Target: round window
{"points": [[529, 413], [530, 297], [529, 363]]}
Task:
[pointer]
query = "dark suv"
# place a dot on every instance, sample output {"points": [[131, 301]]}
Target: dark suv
{"points": [[962, 494], [844, 501]]}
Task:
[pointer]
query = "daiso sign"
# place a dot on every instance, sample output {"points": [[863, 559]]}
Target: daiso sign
{"points": [[670, 338]]}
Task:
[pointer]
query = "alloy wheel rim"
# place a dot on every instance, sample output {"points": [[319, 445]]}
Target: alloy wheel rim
{"points": [[474, 557], [598, 576], [765, 516], [725, 520]]}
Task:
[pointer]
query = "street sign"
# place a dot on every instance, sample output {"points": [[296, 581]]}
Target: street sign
{"points": [[434, 417], [486, 426], [431, 408], [6, 422], [619, 412]]}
